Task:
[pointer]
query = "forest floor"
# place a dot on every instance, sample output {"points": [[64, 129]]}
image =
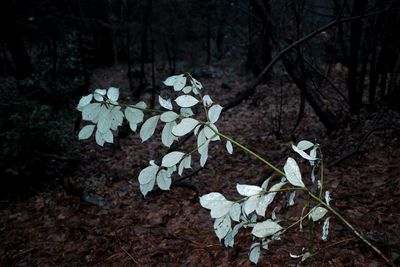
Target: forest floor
{"points": [[170, 228]]}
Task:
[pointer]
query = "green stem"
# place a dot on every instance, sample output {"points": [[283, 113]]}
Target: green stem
{"points": [[248, 151], [197, 147]]}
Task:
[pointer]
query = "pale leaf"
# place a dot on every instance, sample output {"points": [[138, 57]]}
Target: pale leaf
{"points": [[187, 89], [91, 112], [86, 132], [254, 254], [266, 200], [248, 190], [145, 188], [214, 112], [292, 172], [302, 153], [163, 180], [325, 230], [221, 208], [165, 103], [291, 198], [304, 145], [186, 112], [148, 127], [108, 136], [317, 213], [172, 158], [235, 212], [266, 228], [186, 101], [229, 147], [113, 94], [99, 138], [328, 197], [98, 97], [148, 174], [222, 226], [229, 238], [84, 101], [251, 204], [134, 115], [208, 201], [172, 79], [184, 127], [101, 92], [168, 116], [167, 138], [207, 100], [133, 126], [210, 131], [185, 164], [104, 123], [179, 83]]}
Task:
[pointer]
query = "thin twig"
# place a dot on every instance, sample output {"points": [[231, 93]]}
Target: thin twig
{"points": [[130, 256]]}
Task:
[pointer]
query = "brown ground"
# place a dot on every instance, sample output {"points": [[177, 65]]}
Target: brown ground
{"points": [[53, 228]]}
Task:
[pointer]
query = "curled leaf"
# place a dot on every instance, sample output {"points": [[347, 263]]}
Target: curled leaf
{"points": [[325, 229], [229, 147], [304, 145]]}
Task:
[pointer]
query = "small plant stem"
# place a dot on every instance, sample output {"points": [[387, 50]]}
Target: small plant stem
{"points": [[296, 222], [197, 147], [204, 106], [322, 174], [132, 106], [349, 225], [200, 97], [248, 151], [331, 245]]}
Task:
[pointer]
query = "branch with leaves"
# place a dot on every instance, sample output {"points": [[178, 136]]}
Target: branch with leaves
{"points": [[105, 114]]}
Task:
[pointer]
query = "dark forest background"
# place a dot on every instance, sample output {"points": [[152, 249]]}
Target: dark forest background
{"points": [[342, 55], [326, 70]]}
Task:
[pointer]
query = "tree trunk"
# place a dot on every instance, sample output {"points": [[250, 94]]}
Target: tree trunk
{"points": [[354, 91], [328, 119], [13, 38], [104, 50], [260, 33]]}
